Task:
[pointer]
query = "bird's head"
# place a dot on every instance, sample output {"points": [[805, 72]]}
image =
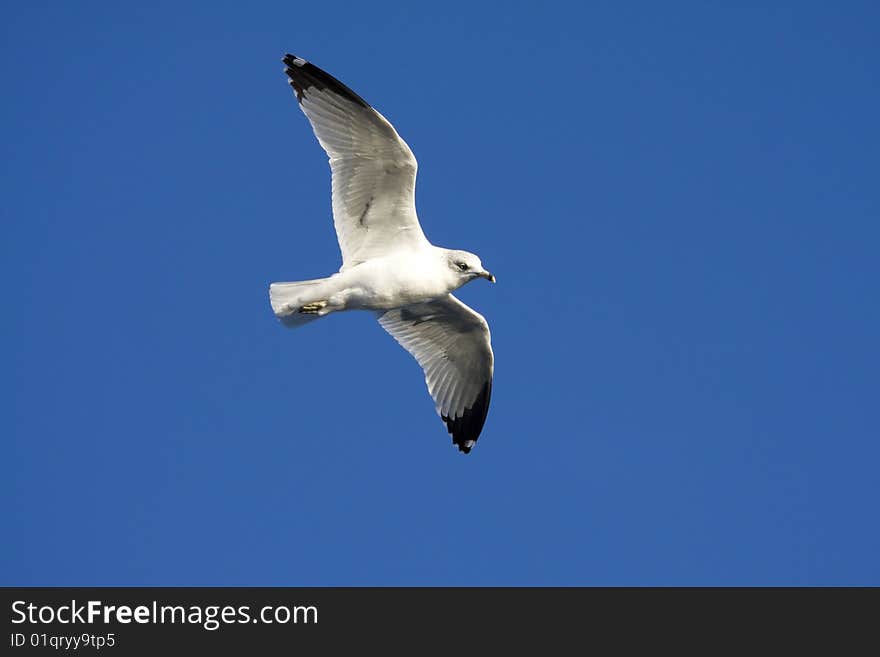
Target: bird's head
{"points": [[466, 267]]}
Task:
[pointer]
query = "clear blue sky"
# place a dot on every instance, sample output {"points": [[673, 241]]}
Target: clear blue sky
{"points": [[681, 203]]}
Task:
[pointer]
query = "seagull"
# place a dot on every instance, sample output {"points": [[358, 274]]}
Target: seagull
{"points": [[388, 265]]}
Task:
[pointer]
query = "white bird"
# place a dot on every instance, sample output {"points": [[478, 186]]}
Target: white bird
{"points": [[388, 265]]}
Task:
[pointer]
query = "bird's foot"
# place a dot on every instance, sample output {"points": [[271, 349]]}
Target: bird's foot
{"points": [[313, 308]]}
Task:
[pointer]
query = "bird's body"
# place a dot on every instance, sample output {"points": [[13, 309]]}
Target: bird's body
{"points": [[382, 283], [389, 266]]}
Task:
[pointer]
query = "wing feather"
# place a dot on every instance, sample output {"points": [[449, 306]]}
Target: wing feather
{"points": [[452, 344], [373, 169]]}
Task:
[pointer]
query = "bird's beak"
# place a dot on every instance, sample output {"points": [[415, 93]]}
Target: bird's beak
{"points": [[488, 276]]}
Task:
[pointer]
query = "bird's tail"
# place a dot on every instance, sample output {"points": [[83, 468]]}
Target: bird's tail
{"points": [[299, 303]]}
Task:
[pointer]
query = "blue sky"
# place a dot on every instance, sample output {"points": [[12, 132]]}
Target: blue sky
{"points": [[680, 203]]}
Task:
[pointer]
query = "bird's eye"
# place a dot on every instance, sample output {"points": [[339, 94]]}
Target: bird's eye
{"points": [[462, 266]]}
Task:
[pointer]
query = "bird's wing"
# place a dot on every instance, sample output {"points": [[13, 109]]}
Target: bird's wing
{"points": [[452, 344], [373, 170]]}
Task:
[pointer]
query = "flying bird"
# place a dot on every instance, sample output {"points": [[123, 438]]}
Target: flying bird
{"points": [[388, 265]]}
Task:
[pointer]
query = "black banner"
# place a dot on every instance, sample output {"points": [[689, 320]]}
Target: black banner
{"points": [[124, 621]]}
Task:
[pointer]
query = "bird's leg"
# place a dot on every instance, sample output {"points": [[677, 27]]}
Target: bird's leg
{"points": [[313, 308]]}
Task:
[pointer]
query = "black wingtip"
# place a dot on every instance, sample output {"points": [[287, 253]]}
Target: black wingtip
{"points": [[304, 75], [466, 428]]}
